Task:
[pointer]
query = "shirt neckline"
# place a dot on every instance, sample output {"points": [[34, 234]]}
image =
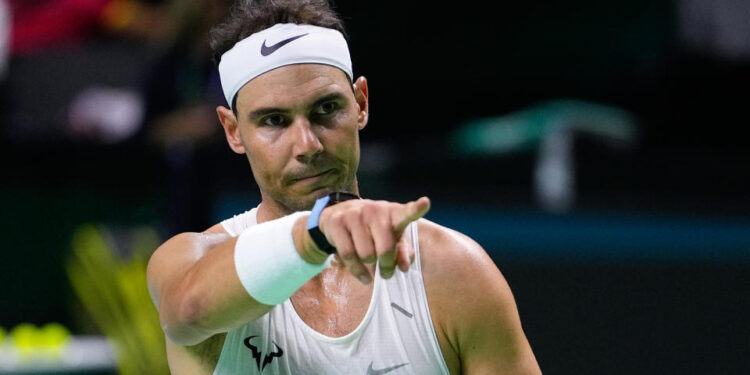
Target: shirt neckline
{"points": [[349, 336]]}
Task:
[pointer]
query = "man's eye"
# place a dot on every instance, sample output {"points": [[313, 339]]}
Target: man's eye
{"points": [[274, 120], [326, 108]]}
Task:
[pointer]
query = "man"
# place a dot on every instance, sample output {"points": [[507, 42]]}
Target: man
{"points": [[259, 293]]}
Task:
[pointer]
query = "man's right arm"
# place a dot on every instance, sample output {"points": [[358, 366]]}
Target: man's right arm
{"points": [[194, 282], [194, 285]]}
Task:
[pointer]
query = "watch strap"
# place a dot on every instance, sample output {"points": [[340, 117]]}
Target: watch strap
{"points": [[312, 226], [313, 220]]}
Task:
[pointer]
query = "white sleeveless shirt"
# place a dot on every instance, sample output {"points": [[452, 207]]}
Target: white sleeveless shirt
{"points": [[395, 337]]}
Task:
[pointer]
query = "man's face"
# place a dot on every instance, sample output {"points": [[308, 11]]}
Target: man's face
{"points": [[299, 127]]}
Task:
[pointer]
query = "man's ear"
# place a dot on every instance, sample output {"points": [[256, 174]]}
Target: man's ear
{"points": [[231, 129], [361, 95]]}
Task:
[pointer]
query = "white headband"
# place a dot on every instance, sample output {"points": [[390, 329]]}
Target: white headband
{"points": [[266, 50]]}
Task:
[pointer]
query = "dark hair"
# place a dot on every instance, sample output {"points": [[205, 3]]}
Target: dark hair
{"points": [[247, 17]]}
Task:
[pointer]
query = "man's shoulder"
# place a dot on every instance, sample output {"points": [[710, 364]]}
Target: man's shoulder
{"points": [[217, 229], [441, 247], [457, 271]]}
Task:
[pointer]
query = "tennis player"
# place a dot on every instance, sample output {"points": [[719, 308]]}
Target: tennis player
{"points": [[315, 279]]}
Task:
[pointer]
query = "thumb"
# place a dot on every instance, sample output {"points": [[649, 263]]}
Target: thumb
{"points": [[410, 212]]}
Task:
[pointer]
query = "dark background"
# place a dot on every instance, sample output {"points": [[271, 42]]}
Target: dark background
{"points": [[647, 273]]}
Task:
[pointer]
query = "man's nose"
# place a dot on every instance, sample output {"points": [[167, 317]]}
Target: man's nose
{"points": [[306, 142]]}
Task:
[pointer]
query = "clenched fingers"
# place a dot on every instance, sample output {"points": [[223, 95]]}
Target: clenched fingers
{"points": [[341, 237], [405, 253]]}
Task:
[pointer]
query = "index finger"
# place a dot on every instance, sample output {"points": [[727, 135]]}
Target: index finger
{"points": [[410, 212]]}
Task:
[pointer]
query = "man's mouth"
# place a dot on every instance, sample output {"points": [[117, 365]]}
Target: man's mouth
{"points": [[313, 177]]}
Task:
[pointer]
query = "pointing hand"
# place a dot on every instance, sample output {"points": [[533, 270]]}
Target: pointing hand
{"points": [[364, 231]]}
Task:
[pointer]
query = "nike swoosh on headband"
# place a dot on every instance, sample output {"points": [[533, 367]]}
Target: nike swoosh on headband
{"points": [[267, 50]]}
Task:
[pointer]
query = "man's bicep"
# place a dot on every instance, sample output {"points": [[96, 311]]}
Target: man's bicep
{"points": [[178, 254], [171, 256]]}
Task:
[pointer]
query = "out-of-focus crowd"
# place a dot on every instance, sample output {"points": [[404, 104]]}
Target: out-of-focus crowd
{"points": [[104, 73], [150, 60]]}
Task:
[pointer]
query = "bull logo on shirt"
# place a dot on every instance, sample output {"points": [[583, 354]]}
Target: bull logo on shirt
{"points": [[257, 354]]}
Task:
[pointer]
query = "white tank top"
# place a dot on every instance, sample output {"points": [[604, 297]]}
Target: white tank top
{"points": [[395, 337]]}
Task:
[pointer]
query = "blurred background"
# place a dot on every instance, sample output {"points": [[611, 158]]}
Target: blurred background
{"points": [[593, 148]]}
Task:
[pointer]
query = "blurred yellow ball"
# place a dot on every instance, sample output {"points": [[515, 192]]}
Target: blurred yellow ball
{"points": [[24, 336], [53, 335], [2, 334]]}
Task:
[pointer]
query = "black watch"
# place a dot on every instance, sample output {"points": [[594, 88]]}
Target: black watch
{"points": [[312, 221]]}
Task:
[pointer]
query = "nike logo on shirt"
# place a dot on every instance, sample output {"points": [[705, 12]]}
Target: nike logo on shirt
{"points": [[267, 50], [371, 371]]}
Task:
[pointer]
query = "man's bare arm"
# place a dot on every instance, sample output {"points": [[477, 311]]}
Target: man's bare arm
{"points": [[195, 286], [474, 306]]}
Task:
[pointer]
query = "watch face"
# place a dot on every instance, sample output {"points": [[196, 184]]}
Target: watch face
{"points": [[340, 196]]}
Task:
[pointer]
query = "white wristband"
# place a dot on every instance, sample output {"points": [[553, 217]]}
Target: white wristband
{"points": [[268, 264]]}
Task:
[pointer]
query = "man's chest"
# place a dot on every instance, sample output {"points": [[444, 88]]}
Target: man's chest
{"points": [[333, 310]]}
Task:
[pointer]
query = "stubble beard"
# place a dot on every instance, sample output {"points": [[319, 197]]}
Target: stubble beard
{"points": [[292, 204]]}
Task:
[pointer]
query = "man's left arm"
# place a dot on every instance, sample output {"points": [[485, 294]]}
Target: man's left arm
{"points": [[474, 306]]}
